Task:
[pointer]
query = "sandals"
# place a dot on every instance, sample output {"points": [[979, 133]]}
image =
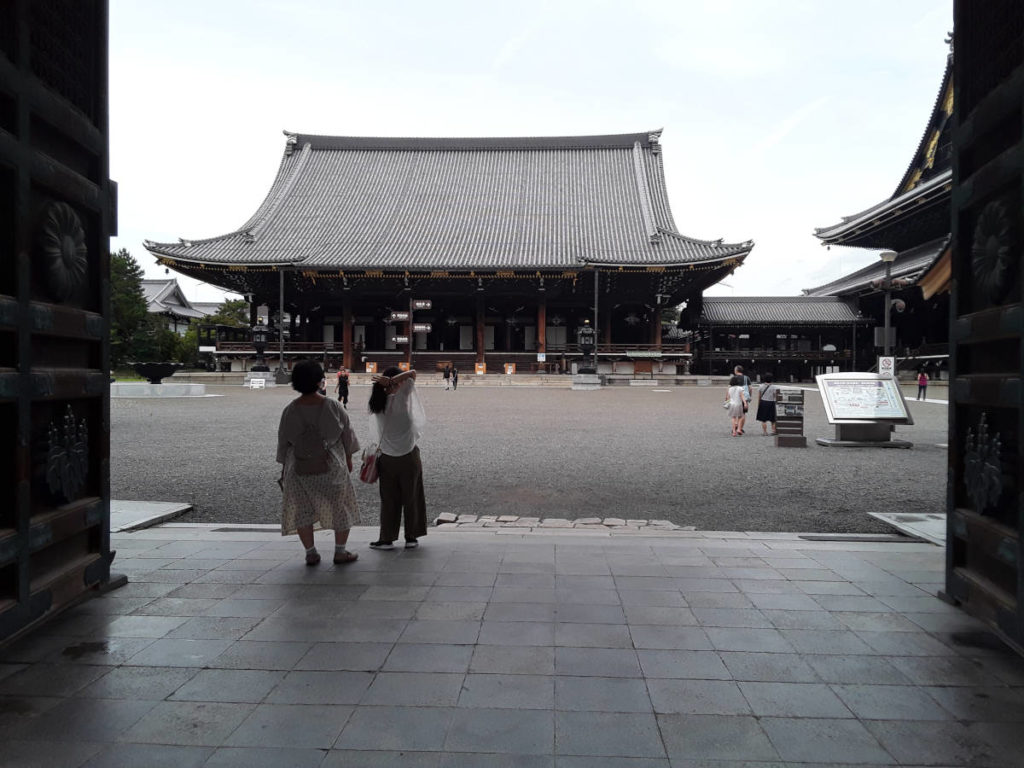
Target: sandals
{"points": [[313, 558], [343, 557]]}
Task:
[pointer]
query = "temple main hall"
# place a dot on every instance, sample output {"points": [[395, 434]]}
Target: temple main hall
{"points": [[514, 243]]}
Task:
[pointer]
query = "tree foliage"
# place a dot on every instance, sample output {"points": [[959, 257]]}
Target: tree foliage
{"points": [[233, 312], [127, 307]]}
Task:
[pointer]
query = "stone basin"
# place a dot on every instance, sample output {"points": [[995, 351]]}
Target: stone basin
{"points": [[155, 372]]}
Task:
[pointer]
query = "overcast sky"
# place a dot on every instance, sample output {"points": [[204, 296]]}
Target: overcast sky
{"points": [[779, 116]]}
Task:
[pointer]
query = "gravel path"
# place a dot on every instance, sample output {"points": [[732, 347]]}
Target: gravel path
{"points": [[632, 452]]}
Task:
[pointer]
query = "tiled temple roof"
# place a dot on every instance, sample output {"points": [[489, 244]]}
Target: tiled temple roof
{"points": [[926, 181], [166, 296], [343, 202], [778, 310], [909, 265]]}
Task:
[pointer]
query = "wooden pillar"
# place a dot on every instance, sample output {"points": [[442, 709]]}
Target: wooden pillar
{"points": [[253, 317], [346, 335], [481, 310], [542, 325], [656, 328], [608, 328]]}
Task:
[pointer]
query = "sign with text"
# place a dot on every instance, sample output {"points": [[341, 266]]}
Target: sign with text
{"points": [[862, 397], [422, 304], [400, 339], [399, 317], [481, 369], [887, 366], [421, 327]]}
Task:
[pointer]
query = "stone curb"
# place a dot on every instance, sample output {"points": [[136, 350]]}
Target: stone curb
{"points": [[608, 524]]}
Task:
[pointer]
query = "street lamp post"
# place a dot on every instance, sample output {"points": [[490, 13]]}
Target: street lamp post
{"points": [[888, 257]]}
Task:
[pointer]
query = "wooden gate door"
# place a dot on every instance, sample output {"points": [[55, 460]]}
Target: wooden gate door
{"points": [[57, 217], [985, 561]]}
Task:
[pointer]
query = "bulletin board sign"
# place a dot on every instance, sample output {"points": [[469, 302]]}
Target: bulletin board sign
{"points": [[863, 397]]}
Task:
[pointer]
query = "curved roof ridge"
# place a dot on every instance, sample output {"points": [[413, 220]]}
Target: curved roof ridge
{"points": [[644, 193], [273, 201], [477, 143], [697, 241], [270, 204], [777, 299], [947, 77]]}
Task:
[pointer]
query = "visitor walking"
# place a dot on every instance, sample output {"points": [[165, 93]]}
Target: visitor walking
{"points": [[447, 377], [922, 385], [315, 443], [396, 422], [738, 371], [341, 386], [455, 378], [736, 403], [766, 404]]}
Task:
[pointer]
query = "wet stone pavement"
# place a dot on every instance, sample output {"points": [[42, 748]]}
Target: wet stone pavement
{"points": [[544, 649], [653, 453]]}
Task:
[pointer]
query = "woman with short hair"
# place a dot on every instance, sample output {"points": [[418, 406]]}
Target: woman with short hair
{"points": [[315, 444], [736, 402], [766, 403], [396, 422]]}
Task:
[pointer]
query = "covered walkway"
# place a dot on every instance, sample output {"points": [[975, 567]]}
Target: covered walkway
{"points": [[515, 648]]}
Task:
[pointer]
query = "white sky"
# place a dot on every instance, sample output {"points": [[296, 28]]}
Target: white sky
{"points": [[779, 116]]}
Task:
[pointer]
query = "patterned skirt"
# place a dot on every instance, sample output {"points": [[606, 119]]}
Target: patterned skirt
{"points": [[325, 501]]}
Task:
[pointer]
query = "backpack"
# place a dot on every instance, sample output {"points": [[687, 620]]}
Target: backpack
{"points": [[311, 455]]}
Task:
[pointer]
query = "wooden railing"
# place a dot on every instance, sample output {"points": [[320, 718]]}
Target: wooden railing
{"points": [[334, 348], [776, 354]]}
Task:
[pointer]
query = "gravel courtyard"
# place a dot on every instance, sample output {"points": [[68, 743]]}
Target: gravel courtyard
{"points": [[633, 452]]}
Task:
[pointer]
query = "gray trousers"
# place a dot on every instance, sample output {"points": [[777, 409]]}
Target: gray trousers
{"points": [[401, 495]]}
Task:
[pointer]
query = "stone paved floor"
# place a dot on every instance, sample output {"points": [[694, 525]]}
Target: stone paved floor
{"points": [[574, 649]]}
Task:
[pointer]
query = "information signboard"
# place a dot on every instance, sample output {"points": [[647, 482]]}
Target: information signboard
{"points": [[887, 366], [862, 397], [399, 317], [422, 304], [421, 327]]}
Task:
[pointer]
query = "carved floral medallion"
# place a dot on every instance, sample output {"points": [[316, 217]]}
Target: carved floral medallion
{"points": [[62, 251], [992, 262]]}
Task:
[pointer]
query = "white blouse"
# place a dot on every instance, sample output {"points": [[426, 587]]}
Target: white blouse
{"points": [[398, 429]]}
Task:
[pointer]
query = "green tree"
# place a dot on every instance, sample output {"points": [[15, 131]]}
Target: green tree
{"points": [[232, 312], [154, 341], [127, 306]]}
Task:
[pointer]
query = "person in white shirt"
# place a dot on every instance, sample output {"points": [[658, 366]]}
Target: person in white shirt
{"points": [[396, 423]]}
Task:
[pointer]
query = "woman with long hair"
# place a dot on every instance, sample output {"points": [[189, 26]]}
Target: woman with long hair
{"points": [[396, 422], [315, 444]]}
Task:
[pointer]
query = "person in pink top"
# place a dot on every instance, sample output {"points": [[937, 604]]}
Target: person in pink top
{"points": [[922, 385]]}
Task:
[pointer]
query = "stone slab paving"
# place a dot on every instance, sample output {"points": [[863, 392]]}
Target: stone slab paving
{"points": [[528, 646]]}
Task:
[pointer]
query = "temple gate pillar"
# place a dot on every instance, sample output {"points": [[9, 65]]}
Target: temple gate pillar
{"points": [[542, 325], [253, 316], [481, 319], [346, 335], [608, 328], [656, 328]]}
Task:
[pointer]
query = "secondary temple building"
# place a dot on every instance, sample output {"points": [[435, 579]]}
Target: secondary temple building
{"points": [[515, 244], [829, 328]]}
